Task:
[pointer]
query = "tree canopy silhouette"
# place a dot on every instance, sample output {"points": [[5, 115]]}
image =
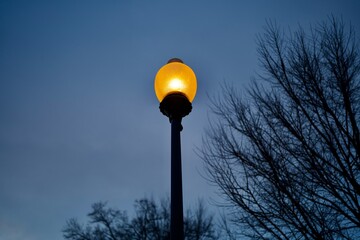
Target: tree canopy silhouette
{"points": [[151, 222], [286, 156]]}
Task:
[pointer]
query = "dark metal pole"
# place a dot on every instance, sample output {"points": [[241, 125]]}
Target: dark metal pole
{"points": [[177, 221], [176, 106]]}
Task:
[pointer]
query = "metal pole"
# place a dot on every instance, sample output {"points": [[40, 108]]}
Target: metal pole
{"points": [[177, 221]]}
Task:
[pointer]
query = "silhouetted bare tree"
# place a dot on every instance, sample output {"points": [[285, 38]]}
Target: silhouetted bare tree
{"points": [[151, 222], [286, 159], [199, 225]]}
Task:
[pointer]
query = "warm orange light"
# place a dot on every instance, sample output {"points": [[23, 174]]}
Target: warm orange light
{"points": [[175, 77]]}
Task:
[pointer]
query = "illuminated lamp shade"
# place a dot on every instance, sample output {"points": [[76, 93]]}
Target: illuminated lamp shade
{"points": [[175, 77]]}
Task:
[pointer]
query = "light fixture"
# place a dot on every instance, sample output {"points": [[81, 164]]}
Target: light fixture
{"points": [[175, 87]]}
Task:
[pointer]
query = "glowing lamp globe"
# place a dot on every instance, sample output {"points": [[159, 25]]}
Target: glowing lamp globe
{"points": [[175, 88], [175, 77]]}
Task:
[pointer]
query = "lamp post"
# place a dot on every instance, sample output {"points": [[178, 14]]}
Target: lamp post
{"points": [[175, 88]]}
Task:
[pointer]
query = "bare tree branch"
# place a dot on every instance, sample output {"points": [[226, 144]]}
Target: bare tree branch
{"points": [[287, 161]]}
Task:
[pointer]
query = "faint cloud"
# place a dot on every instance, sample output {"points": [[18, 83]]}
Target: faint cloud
{"points": [[9, 231]]}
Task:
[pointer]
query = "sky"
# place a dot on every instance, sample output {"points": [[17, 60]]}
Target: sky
{"points": [[79, 120]]}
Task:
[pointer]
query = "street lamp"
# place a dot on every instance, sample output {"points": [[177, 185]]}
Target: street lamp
{"points": [[175, 88]]}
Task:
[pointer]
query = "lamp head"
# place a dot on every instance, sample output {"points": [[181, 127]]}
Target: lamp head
{"points": [[175, 77], [175, 87]]}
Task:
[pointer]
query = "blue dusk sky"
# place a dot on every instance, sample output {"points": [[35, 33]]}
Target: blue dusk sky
{"points": [[79, 120]]}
